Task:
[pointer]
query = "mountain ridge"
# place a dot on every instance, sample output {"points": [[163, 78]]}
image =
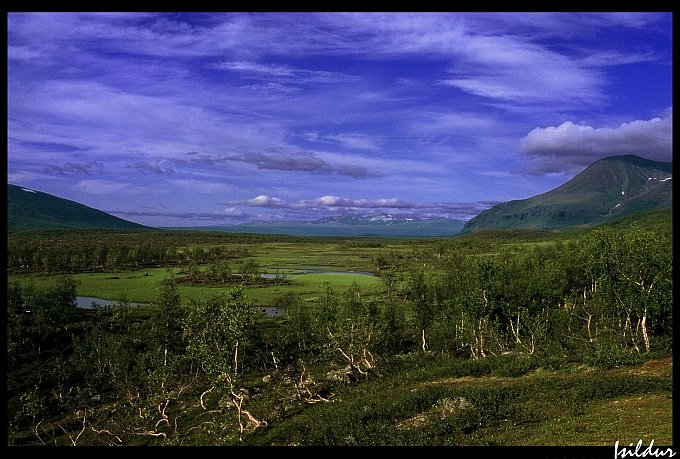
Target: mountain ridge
{"points": [[611, 186], [29, 209]]}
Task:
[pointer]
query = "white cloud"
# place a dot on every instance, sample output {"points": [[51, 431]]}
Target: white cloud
{"points": [[266, 201], [331, 201], [508, 68], [232, 212], [572, 146]]}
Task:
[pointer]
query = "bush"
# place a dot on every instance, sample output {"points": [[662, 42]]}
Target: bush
{"points": [[612, 357], [514, 365]]}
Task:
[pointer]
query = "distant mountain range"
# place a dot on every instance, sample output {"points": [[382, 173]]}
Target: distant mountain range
{"points": [[611, 187], [382, 225], [31, 210]]}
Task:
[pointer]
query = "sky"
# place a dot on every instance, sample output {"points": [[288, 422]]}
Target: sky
{"points": [[197, 119]]}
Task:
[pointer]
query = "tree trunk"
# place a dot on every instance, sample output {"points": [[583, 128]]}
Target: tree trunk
{"points": [[645, 336]]}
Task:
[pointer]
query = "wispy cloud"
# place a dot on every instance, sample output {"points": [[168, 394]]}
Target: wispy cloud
{"points": [[24, 53], [217, 216], [254, 67], [504, 68], [258, 69], [352, 140], [107, 187], [596, 58], [86, 168], [482, 61], [200, 186], [150, 166], [303, 162], [273, 88]]}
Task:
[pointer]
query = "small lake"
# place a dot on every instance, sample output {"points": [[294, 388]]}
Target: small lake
{"points": [[272, 312], [85, 302]]}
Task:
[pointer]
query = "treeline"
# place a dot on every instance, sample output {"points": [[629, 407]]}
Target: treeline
{"points": [[210, 371], [605, 298], [92, 251], [72, 255], [607, 293]]}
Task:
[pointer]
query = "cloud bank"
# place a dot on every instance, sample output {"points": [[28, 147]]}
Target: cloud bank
{"points": [[336, 205]]}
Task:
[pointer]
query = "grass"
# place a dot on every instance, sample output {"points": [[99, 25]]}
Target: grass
{"points": [[578, 406], [272, 257], [625, 419], [309, 286], [110, 286], [139, 287]]}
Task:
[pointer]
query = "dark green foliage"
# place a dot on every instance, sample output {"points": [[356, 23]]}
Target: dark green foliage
{"points": [[301, 334], [216, 333], [30, 210]]}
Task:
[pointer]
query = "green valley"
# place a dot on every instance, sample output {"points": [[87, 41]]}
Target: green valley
{"points": [[504, 337]]}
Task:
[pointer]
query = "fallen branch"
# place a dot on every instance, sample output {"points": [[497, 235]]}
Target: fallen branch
{"points": [[107, 432], [203, 394], [75, 442], [37, 434]]}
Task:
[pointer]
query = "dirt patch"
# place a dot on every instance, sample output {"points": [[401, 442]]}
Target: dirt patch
{"points": [[656, 366], [442, 409], [659, 363]]}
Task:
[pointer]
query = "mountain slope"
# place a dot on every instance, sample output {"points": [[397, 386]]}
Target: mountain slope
{"points": [[613, 186], [30, 210]]}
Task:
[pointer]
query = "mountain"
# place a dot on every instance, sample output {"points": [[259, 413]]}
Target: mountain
{"points": [[382, 225], [611, 187], [30, 210], [381, 219]]}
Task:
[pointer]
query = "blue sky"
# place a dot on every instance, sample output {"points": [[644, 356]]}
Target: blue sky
{"points": [[186, 119]]}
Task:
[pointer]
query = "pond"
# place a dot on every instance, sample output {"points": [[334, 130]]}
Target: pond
{"points": [[272, 312], [85, 302]]}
